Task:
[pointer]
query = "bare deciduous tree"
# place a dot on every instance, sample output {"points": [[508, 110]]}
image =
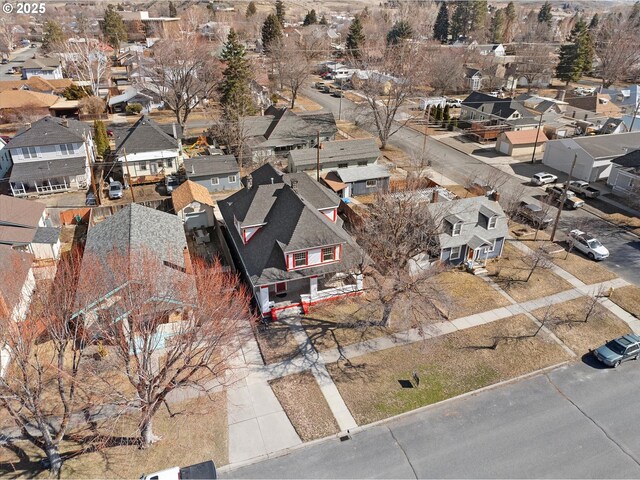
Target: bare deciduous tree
{"points": [[534, 62], [397, 232], [444, 69], [616, 49], [86, 62], [171, 327], [184, 73]]}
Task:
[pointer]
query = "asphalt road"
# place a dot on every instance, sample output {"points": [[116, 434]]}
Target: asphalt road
{"points": [[624, 247], [579, 421], [16, 59]]}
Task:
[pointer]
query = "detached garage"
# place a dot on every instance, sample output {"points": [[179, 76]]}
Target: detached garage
{"points": [[193, 204], [521, 142]]}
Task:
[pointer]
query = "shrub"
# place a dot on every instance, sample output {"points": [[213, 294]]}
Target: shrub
{"points": [[133, 108]]}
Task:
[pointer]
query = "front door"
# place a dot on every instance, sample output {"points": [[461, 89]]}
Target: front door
{"points": [[471, 253], [153, 167], [281, 287]]}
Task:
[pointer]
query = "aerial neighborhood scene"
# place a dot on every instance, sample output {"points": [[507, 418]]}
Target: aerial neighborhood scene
{"points": [[331, 239]]}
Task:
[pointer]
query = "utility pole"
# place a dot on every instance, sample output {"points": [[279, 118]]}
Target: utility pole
{"points": [[126, 164], [535, 145], [634, 116], [340, 104], [426, 132], [563, 198], [96, 193], [318, 158]]}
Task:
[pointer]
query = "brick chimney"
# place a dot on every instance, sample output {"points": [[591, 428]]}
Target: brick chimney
{"points": [[249, 182], [294, 185], [188, 266]]}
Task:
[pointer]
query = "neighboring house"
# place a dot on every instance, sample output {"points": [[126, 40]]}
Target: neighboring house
{"points": [[480, 106], [600, 104], [364, 180], [35, 103], [625, 175], [494, 50], [49, 68], [613, 126], [51, 155], [280, 130], [25, 226], [5, 159], [152, 26], [473, 230], [149, 149], [473, 78], [593, 154], [522, 142], [149, 100], [193, 204], [37, 84], [215, 172], [288, 241], [337, 154], [134, 235]]}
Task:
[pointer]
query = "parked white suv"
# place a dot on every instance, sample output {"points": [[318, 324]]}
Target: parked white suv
{"points": [[543, 178], [588, 245]]}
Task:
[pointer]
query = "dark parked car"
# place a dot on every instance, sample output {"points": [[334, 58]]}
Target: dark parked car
{"points": [[534, 215], [91, 200], [619, 350]]}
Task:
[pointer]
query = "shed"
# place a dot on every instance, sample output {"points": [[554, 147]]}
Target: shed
{"points": [[193, 204], [521, 142], [363, 180]]}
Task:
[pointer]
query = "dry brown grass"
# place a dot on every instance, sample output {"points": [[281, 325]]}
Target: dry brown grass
{"points": [[624, 220], [340, 323], [511, 270], [303, 402], [351, 130], [467, 294], [568, 324], [196, 432], [447, 366], [276, 341], [627, 298], [582, 268], [527, 233], [460, 191]]}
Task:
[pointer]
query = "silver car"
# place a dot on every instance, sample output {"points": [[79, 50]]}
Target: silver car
{"points": [[543, 178], [115, 190]]}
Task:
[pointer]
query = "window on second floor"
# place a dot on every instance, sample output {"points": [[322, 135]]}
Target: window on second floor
{"points": [[457, 228], [29, 152], [300, 259], [66, 148], [492, 223], [328, 254]]}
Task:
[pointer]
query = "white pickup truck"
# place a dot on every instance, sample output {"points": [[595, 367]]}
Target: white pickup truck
{"points": [[583, 188]]}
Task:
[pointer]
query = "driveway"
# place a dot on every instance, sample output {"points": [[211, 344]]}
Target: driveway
{"points": [[579, 421]]}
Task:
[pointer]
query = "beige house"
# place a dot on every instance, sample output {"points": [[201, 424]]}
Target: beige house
{"points": [[193, 204], [521, 142]]}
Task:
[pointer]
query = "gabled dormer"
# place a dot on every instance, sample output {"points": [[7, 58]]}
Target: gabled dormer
{"points": [[246, 232], [313, 257], [487, 218], [453, 225]]}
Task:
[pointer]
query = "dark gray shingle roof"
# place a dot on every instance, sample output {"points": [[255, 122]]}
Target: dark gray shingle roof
{"points": [[207, 165], [336, 151], [50, 131], [143, 136], [44, 169], [48, 235]]}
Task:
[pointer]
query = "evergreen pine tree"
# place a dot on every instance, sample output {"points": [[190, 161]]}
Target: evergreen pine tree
{"points": [[509, 22], [544, 15], [576, 56], [323, 21], [280, 12], [113, 27], [446, 116], [100, 137], [438, 115], [441, 27], [355, 38], [271, 31], [479, 11], [52, 36], [497, 27], [400, 32], [251, 10], [459, 25], [173, 13], [635, 11], [595, 21], [310, 18], [235, 93]]}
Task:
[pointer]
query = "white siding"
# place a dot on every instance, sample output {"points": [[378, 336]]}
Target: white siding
{"points": [[315, 256], [250, 232]]}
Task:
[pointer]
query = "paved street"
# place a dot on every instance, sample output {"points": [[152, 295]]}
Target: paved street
{"points": [[579, 421], [458, 166], [16, 59]]}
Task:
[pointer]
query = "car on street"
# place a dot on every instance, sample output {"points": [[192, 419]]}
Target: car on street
{"points": [[11, 71], [583, 188], [115, 190], [588, 245], [171, 183], [543, 178], [571, 200], [619, 350], [199, 471], [318, 85], [5, 61], [337, 93], [534, 215]]}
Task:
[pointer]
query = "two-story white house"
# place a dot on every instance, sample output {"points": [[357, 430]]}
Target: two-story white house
{"points": [[51, 155], [287, 240], [49, 68], [149, 149]]}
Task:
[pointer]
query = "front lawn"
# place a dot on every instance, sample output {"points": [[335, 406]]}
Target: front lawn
{"points": [[447, 366], [467, 294], [582, 268], [276, 341], [627, 298]]}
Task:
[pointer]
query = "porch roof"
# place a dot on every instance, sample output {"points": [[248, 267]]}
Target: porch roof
{"points": [[45, 169], [477, 242]]}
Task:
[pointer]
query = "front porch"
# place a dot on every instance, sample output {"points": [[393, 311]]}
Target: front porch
{"points": [[296, 296], [43, 187]]}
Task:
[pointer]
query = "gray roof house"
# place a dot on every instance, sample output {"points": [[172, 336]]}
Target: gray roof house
{"points": [[215, 172], [480, 106], [151, 150], [133, 236], [287, 239], [50, 156], [48, 68], [280, 130], [336, 154], [593, 154], [363, 180], [473, 230], [624, 179]]}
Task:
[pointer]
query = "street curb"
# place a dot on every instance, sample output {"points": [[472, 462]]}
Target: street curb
{"points": [[592, 211], [358, 429]]}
